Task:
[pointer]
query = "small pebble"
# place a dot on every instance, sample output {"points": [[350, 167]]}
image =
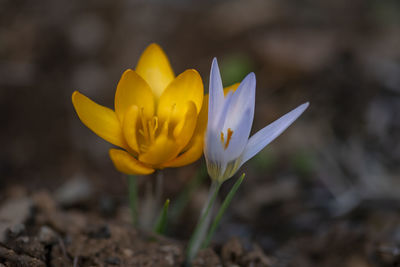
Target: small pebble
{"points": [[13, 213], [17, 229], [47, 236], [128, 252], [74, 191]]}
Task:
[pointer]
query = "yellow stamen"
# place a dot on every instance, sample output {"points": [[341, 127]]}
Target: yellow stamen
{"points": [[153, 125], [144, 131], [230, 133], [148, 130], [228, 138]]}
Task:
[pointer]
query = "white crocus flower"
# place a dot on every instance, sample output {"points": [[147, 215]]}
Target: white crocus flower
{"points": [[230, 117]]}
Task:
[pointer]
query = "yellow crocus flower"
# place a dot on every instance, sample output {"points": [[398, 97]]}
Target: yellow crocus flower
{"points": [[158, 119]]}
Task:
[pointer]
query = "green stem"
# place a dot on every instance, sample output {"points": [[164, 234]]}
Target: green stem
{"points": [[133, 198], [222, 210], [202, 226]]}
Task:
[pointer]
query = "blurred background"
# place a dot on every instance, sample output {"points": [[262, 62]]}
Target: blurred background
{"points": [[331, 181]]}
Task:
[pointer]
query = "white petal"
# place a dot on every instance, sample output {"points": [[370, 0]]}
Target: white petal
{"points": [[243, 99], [239, 137], [239, 117], [237, 113], [216, 94], [213, 149], [266, 135], [222, 116]]}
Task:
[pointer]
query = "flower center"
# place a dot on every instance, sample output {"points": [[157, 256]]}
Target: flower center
{"points": [[150, 129], [147, 130], [229, 134]]}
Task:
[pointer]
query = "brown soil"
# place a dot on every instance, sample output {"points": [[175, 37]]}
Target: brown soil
{"points": [[37, 231], [51, 236]]}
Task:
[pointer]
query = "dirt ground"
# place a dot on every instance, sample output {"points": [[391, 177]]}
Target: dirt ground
{"points": [[54, 237], [325, 193]]}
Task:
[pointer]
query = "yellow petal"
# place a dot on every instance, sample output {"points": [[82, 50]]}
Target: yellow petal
{"points": [[162, 150], [101, 120], [183, 131], [231, 88], [201, 125], [155, 69], [129, 127], [194, 149], [202, 119], [191, 155], [127, 164], [133, 90], [188, 86]]}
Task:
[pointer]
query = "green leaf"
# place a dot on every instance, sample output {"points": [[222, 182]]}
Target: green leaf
{"points": [[222, 210], [161, 224]]}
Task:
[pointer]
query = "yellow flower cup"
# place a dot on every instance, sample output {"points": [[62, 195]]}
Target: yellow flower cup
{"points": [[158, 119]]}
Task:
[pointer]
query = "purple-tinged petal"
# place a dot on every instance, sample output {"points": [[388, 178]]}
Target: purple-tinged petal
{"points": [[243, 99], [239, 137], [222, 117], [216, 94], [213, 147], [266, 135]]}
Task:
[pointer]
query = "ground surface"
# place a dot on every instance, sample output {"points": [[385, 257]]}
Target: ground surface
{"points": [[36, 231]]}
